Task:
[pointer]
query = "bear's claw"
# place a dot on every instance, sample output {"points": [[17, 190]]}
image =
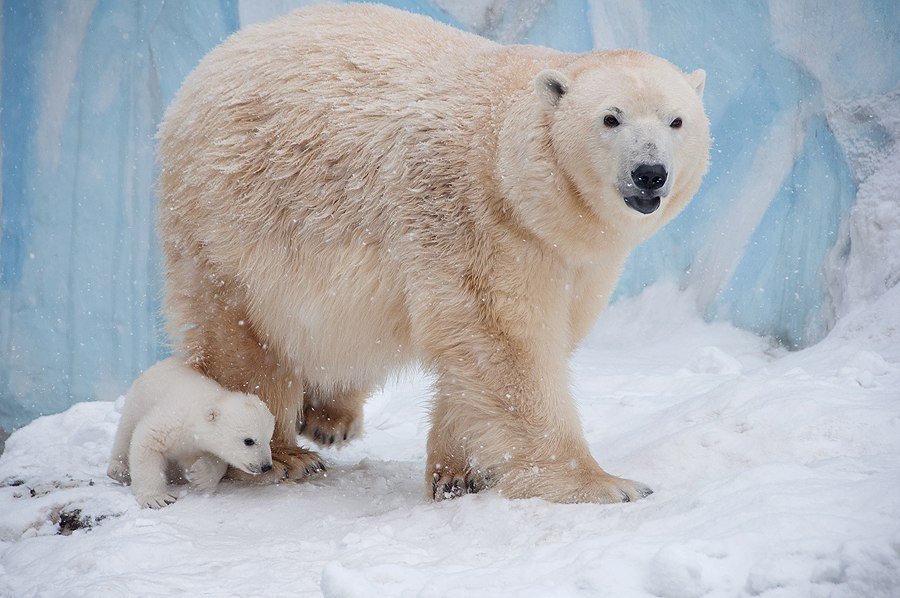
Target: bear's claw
{"points": [[447, 486], [330, 425], [315, 468]]}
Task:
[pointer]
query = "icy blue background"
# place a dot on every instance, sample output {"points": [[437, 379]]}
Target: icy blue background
{"points": [[84, 84]]}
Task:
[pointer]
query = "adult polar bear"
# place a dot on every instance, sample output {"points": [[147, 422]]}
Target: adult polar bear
{"points": [[349, 189]]}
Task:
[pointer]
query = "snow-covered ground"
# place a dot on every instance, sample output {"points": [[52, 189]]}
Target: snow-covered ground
{"points": [[776, 474]]}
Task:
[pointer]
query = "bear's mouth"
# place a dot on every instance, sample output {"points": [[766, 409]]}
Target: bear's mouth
{"points": [[642, 204]]}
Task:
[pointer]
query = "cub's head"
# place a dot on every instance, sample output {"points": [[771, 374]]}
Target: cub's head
{"points": [[239, 429], [630, 132]]}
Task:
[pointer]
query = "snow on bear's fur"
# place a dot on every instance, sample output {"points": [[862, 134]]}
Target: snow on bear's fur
{"points": [[351, 189], [173, 415]]}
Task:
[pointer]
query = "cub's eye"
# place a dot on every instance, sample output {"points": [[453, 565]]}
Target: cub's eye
{"points": [[249, 441], [676, 124], [610, 121]]}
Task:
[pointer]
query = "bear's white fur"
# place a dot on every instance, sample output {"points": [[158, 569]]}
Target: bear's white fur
{"points": [[350, 189], [173, 415]]}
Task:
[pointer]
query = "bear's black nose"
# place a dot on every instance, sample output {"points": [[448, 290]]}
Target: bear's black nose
{"points": [[649, 176], [266, 467]]}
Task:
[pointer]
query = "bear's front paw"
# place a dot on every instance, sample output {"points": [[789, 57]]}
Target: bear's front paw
{"points": [[565, 485], [288, 463], [610, 489], [155, 500], [447, 484], [205, 473]]}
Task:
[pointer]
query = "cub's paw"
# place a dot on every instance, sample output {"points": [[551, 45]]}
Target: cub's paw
{"points": [[119, 472], [330, 424], [155, 500], [205, 473]]}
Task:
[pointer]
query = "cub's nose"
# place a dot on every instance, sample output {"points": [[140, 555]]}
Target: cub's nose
{"points": [[266, 467], [649, 176]]}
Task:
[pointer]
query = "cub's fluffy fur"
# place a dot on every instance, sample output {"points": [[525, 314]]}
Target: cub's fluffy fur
{"points": [[175, 416]]}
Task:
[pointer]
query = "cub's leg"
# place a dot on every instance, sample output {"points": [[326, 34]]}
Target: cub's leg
{"points": [[148, 468], [332, 417], [118, 458], [221, 342], [503, 417]]}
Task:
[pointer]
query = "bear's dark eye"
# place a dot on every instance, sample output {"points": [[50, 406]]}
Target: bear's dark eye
{"points": [[249, 441], [676, 124], [610, 121]]}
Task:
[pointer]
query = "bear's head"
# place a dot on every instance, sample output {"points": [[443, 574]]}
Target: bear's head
{"points": [[238, 430], [629, 131]]}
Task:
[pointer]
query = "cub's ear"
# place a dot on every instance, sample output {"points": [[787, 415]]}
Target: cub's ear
{"points": [[213, 414], [550, 86], [697, 79]]}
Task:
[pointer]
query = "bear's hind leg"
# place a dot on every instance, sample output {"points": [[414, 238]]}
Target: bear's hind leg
{"points": [[332, 417], [220, 341]]}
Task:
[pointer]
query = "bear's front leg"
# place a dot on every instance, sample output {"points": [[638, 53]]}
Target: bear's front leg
{"points": [[503, 417]]}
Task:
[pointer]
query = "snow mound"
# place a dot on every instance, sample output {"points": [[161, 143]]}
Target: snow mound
{"points": [[775, 475]]}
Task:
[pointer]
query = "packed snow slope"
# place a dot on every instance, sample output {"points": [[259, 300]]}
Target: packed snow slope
{"points": [[775, 474]]}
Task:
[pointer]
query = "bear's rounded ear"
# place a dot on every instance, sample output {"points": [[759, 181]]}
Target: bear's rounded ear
{"points": [[697, 79], [550, 86], [213, 414]]}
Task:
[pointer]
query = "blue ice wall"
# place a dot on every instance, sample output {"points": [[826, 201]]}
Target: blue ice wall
{"points": [[753, 241], [85, 82]]}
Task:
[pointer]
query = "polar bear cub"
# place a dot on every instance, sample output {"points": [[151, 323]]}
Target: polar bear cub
{"points": [[174, 415]]}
